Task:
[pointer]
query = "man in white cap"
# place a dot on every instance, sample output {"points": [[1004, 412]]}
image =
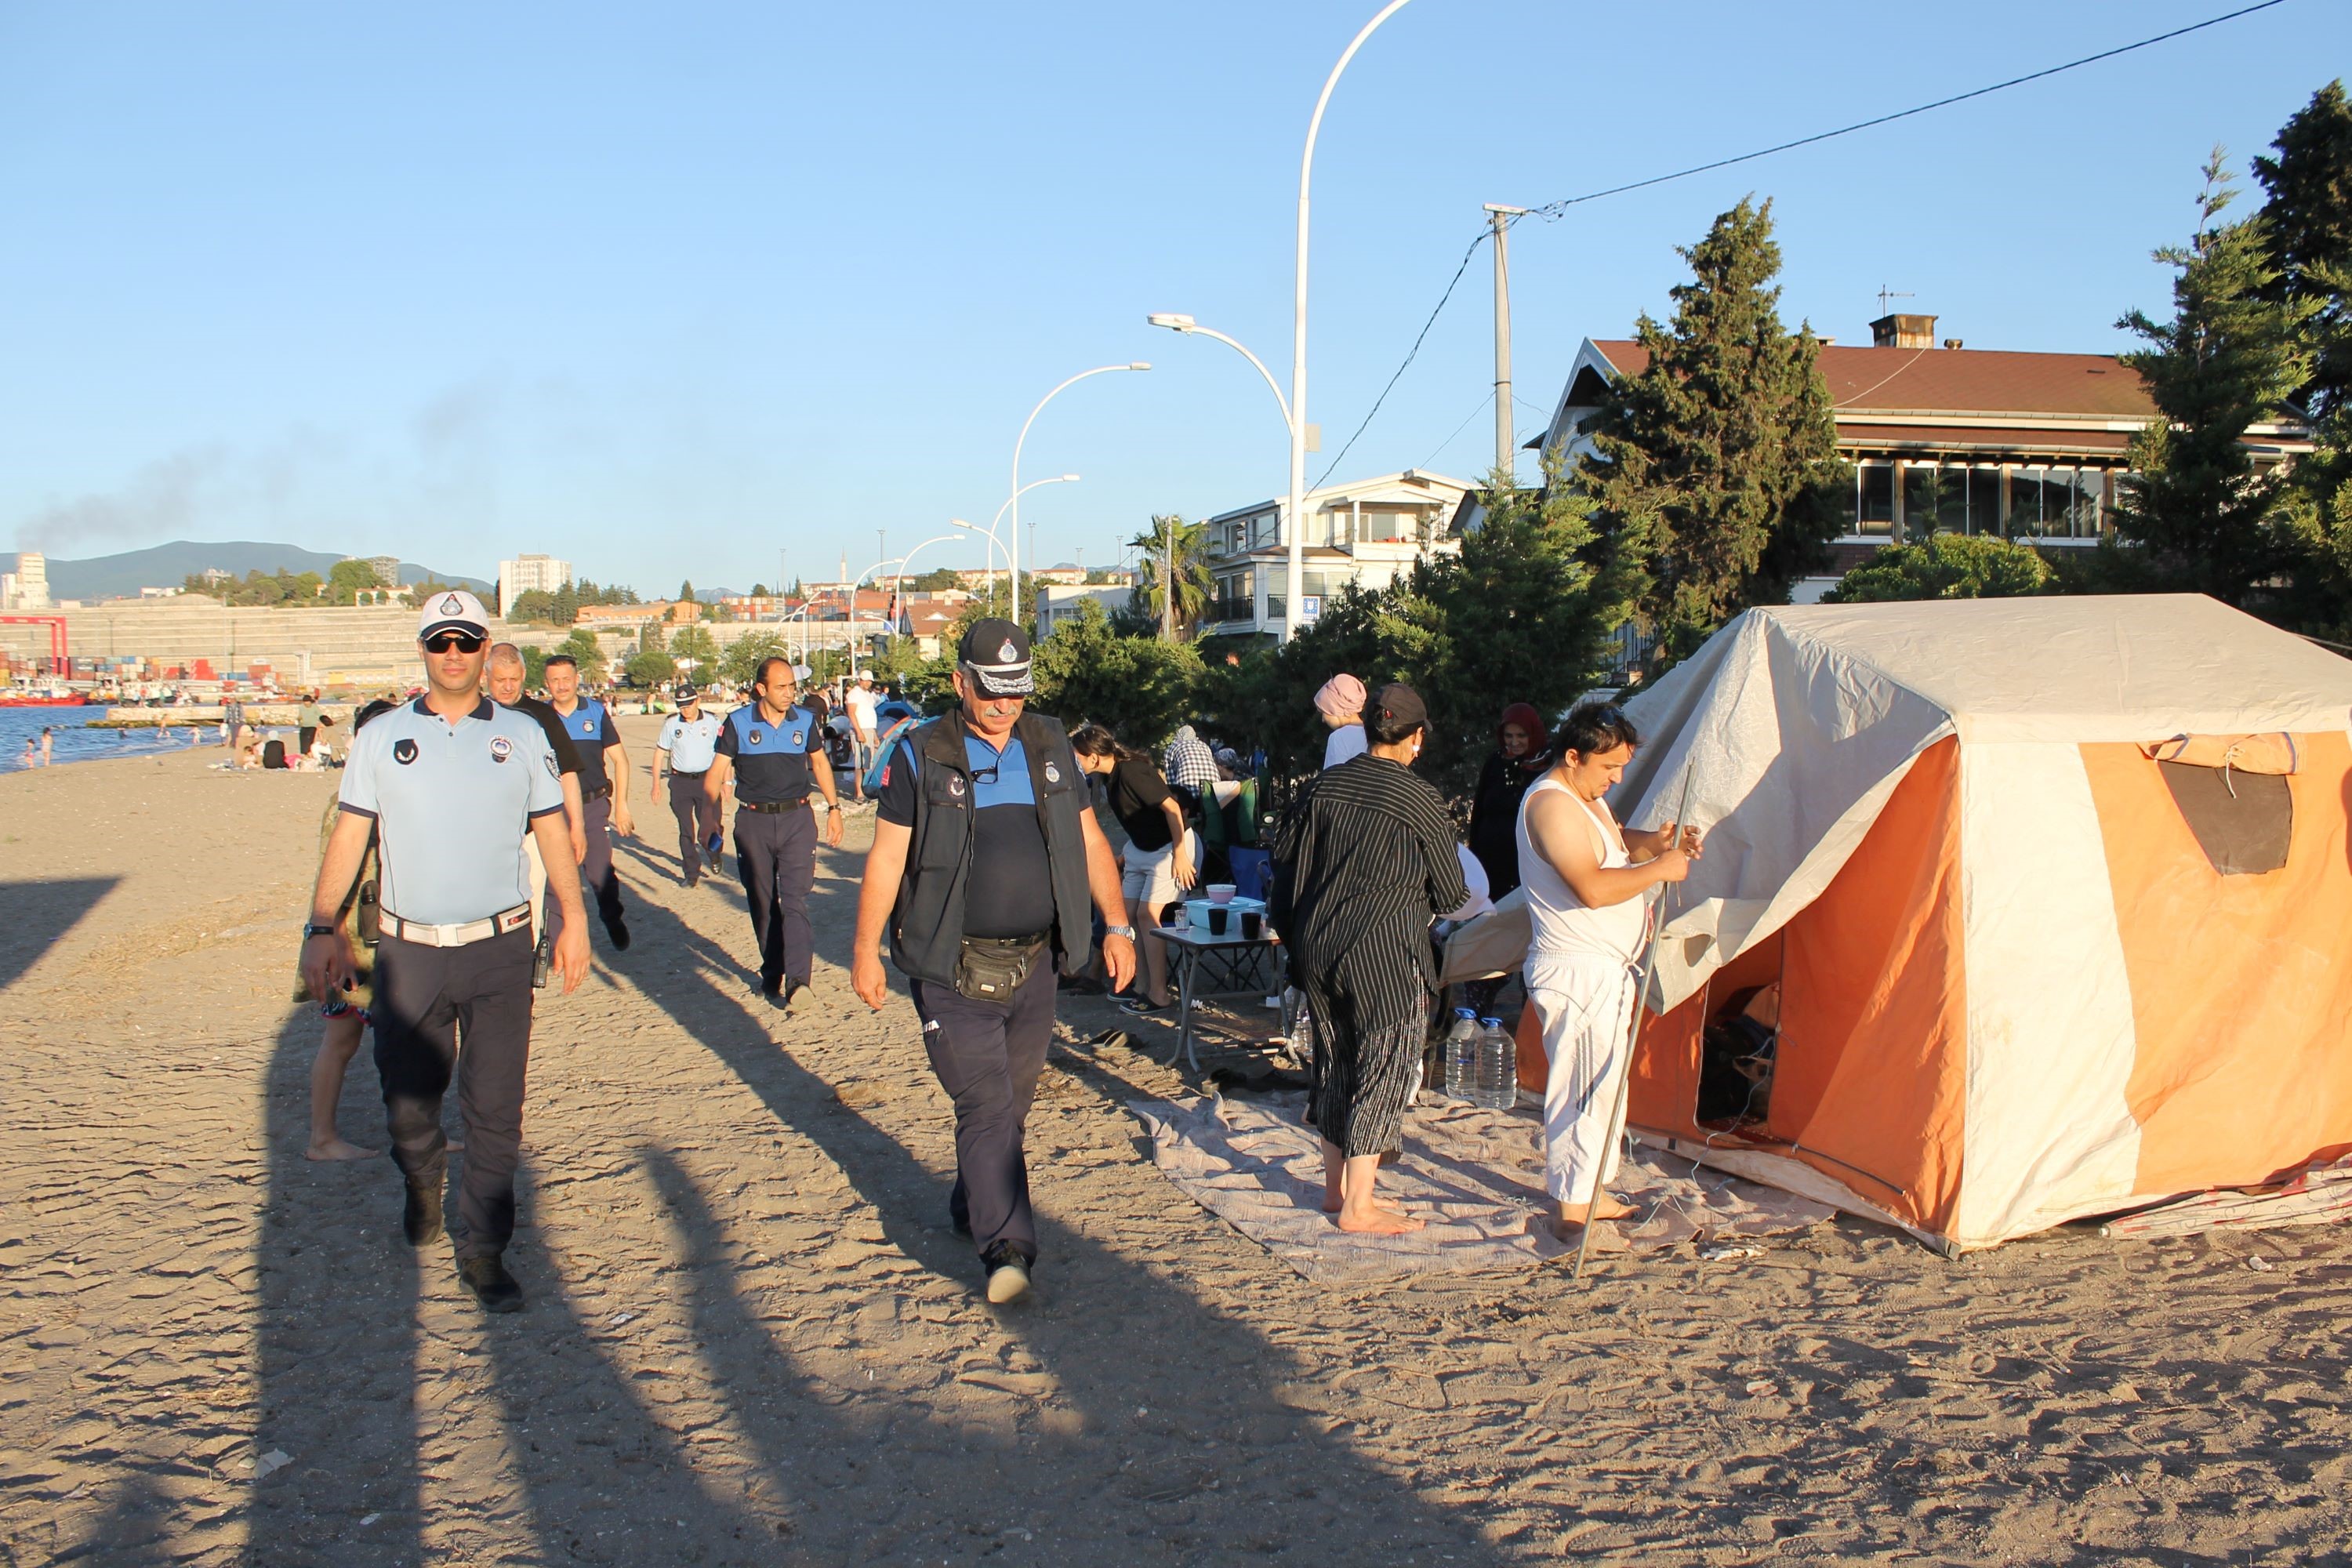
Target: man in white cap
{"points": [[861, 703], [451, 782]]}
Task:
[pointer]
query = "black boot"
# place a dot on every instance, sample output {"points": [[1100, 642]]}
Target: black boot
{"points": [[420, 1215], [492, 1285]]}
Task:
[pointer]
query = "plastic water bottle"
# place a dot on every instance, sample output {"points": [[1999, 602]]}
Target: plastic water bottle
{"points": [[1462, 1054], [1497, 1087]]}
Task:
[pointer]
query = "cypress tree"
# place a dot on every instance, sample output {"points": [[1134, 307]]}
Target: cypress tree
{"points": [[1714, 472], [2232, 356]]}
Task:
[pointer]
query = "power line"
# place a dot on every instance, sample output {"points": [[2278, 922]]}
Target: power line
{"points": [[1554, 211]]}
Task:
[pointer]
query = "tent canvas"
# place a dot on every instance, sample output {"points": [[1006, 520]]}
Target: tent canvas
{"points": [[2015, 989]]}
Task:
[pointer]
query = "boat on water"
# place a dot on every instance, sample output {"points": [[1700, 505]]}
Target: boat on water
{"points": [[54, 699]]}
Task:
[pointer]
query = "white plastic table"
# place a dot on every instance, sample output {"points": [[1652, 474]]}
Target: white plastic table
{"points": [[1187, 944]]}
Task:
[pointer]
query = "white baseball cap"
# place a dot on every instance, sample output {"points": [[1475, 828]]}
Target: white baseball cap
{"points": [[454, 610], [864, 675]]}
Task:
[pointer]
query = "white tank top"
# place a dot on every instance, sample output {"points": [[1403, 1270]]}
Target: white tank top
{"points": [[1562, 922]]}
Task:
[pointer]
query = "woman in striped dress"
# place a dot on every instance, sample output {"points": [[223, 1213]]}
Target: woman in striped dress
{"points": [[1365, 861]]}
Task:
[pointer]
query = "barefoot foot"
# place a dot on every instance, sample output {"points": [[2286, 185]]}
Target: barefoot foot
{"points": [[336, 1149], [1605, 1237], [1374, 1220]]}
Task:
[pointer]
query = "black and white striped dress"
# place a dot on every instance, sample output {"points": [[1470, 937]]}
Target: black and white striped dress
{"points": [[1368, 860]]}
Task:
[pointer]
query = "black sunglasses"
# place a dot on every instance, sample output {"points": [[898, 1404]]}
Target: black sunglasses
{"points": [[464, 642]]}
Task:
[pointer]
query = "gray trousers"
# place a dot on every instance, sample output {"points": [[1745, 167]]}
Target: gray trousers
{"points": [[598, 880], [424, 997], [987, 1055]]}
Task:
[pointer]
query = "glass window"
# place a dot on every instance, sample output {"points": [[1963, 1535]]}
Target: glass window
{"points": [[1984, 500], [2090, 497], [2025, 502], [1934, 499], [1873, 498]]}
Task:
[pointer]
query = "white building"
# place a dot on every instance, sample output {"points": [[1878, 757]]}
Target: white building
{"points": [[1365, 534], [28, 587], [1057, 606], [386, 569], [529, 574]]}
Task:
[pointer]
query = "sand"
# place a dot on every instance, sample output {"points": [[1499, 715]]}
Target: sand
{"points": [[752, 1338]]}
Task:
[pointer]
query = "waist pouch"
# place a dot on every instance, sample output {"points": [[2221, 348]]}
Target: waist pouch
{"points": [[991, 968]]}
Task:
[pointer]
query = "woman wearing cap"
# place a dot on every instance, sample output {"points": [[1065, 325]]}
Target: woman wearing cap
{"points": [[1368, 860], [1518, 759], [1341, 701], [1586, 881]]}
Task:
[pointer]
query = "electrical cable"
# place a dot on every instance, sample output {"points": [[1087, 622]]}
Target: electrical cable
{"points": [[1554, 211]]}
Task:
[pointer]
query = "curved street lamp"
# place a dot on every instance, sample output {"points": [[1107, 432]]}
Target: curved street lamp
{"points": [[1012, 551], [1010, 575]]}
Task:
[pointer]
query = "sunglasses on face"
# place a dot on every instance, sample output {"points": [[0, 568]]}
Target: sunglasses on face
{"points": [[442, 642]]}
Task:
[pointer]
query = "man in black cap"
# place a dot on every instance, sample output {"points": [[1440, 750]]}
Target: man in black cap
{"points": [[987, 869], [766, 747], [1367, 861]]}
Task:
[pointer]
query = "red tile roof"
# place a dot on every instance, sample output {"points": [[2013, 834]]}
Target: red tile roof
{"points": [[1960, 381]]}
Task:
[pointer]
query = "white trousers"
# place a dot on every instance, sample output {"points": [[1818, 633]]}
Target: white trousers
{"points": [[1585, 1006]]}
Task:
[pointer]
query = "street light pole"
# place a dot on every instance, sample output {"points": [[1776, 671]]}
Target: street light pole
{"points": [[1506, 442], [1011, 574], [1012, 555], [1294, 574]]}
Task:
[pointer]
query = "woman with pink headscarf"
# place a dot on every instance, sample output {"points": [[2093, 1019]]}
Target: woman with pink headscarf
{"points": [[1341, 703]]}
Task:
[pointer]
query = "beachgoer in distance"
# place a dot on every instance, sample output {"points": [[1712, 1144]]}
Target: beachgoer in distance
{"points": [[603, 789], [987, 869], [306, 722], [688, 744], [1162, 851], [860, 704], [451, 783], [1368, 859], [765, 749], [1341, 701], [231, 724], [1191, 768], [49, 744], [1587, 879], [1520, 758], [31, 755]]}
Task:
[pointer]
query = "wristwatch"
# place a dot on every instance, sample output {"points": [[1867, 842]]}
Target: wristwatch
{"points": [[312, 928], [1127, 932]]}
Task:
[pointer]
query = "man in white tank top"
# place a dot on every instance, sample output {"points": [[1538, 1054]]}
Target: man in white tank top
{"points": [[1587, 883]]}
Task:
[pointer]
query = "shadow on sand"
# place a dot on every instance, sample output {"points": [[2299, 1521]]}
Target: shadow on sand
{"points": [[1179, 1451]]}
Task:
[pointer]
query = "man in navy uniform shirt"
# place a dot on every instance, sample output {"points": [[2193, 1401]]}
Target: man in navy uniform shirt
{"points": [[604, 790], [451, 783], [987, 869], [774, 750]]}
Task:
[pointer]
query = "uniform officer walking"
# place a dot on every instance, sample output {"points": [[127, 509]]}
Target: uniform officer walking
{"points": [[603, 787], [688, 745], [451, 783], [987, 869], [772, 748]]}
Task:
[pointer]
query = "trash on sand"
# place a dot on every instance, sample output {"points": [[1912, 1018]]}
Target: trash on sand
{"points": [[2261, 1265], [275, 1460], [617, 1318], [1761, 1385], [1718, 1254]]}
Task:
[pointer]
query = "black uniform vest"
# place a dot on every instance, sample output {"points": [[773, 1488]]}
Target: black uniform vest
{"points": [[927, 925]]}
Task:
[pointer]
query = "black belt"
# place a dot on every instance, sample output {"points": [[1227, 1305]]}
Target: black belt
{"points": [[682, 773], [599, 793], [771, 806], [1039, 940]]}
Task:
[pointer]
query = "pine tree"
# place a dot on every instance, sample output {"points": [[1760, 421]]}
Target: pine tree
{"points": [[2206, 521], [1715, 474]]}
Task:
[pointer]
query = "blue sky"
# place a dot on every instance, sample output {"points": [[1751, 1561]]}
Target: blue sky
{"points": [[666, 289]]}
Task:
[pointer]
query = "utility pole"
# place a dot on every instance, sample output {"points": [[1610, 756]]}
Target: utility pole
{"points": [[1167, 582], [1507, 455]]}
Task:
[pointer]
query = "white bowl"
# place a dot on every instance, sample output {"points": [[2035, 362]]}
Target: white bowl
{"points": [[1222, 892]]}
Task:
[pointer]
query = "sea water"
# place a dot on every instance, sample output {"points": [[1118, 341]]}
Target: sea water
{"points": [[75, 742]]}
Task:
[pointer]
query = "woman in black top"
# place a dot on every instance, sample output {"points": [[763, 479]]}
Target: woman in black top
{"points": [[1366, 862], [1519, 761], [1159, 847]]}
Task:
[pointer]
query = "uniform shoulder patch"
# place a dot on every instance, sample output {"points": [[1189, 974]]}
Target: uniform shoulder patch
{"points": [[554, 771]]}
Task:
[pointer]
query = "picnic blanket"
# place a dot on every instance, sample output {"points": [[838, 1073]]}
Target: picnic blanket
{"points": [[1475, 1175]]}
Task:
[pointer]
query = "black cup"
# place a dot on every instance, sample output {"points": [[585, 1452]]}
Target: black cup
{"points": [[1253, 924], [1217, 913]]}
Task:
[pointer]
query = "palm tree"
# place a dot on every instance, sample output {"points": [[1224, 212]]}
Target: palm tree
{"points": [[1189, 542]]}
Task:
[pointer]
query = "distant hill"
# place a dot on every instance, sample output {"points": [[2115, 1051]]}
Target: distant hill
{"points": [[166, 565]]}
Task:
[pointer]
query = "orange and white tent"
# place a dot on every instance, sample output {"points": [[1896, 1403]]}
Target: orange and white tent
{"points": [[2028, 972]]}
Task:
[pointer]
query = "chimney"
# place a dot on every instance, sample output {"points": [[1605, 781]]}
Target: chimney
{"points": [[1903, 332]]}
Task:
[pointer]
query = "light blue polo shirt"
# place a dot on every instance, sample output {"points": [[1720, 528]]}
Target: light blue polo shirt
{"points": [[451, 805], [691, 743]]}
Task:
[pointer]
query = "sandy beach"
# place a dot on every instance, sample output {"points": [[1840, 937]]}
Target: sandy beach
{"points": [[752, 1337]]}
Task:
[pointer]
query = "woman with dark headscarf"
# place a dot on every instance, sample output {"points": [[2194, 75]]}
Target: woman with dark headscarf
{"points": [[1520, 759]]}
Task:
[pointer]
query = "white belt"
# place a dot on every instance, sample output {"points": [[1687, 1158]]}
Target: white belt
{"points": [[463, 934]]}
